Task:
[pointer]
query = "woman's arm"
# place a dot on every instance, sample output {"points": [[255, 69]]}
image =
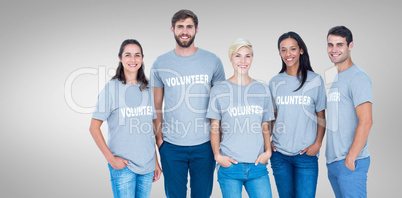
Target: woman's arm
{"points": [[264, 157], [115, 162], [158, 170], [158, 100], [271, 129], [215, 136], [321, 123]]}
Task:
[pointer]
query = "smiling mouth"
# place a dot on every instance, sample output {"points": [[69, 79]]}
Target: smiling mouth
{"points": [[132, 65], [335, 55], [289, 59], [242, 66]]}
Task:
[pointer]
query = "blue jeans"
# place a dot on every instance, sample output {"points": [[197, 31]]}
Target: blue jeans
{"points": [[178, 161], [295, 176], [347, 183], [126, 183], [254, 178]]}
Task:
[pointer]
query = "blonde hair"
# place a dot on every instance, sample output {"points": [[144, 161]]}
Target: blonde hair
{"points": [[239, 43]]}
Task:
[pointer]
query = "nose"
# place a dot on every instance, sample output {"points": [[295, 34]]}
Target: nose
{"points": [[243, 59], [132, 58], [334, 48]]}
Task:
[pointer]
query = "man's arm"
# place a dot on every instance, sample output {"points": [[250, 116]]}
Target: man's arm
{"points": [[364, 114], [158, 100]]}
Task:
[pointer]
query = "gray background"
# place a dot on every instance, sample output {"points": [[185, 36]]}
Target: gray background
{"points": [[46, 148]]}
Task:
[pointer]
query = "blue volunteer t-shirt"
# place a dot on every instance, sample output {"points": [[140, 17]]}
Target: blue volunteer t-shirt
{"points": [[296, 123], [241, 110], [129, 113], [350, 88], [186, 81]]}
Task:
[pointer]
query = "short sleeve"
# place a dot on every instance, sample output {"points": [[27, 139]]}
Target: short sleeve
{"points": [[268, 113], [155, 78], [104, 104], [151, 95], [361, 89], [214, 109], [321, 96], [272, 94], [219, 73]]}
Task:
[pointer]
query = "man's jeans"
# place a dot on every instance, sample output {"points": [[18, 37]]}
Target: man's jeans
{"points": [[347, 183], [178, 161]]}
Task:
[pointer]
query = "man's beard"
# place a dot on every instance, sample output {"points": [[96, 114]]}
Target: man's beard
{"points": [[183, 44]]}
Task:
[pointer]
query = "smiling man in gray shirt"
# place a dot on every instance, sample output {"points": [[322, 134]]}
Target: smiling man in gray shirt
{"points": [[182, 78], [349, 105]]}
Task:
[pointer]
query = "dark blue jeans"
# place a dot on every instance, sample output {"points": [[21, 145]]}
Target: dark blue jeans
{"points": [[178, 161], [295, 176]]}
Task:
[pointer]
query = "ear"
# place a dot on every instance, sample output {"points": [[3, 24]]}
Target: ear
{"points": [[351, 45], [196, 31], [172, 29], [301, 51], [119, 57]]}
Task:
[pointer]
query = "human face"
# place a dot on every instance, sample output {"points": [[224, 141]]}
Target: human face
{"points": [[131, 58], [184, 32], [241, 60], [338, 49], [290, 52]]}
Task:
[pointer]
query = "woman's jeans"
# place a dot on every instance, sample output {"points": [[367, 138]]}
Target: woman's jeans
{"points": [[254, 178], [295, 176], [126, 183]]}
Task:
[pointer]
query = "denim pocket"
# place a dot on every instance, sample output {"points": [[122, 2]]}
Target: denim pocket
{"points": [[231, 165], [163, 143], [111, 168]]}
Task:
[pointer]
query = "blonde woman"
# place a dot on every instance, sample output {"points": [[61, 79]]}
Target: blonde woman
{"points": [[242, 107]]}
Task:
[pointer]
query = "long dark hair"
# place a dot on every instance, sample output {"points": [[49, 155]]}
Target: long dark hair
{"points": [[304, 60], [141, 78]]}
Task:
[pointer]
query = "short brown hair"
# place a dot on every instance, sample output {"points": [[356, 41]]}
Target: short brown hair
{"points": [[184, 14], [341, 31]]}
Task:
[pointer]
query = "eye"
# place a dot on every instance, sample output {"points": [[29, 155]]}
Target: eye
{"points": [[282, 50]]}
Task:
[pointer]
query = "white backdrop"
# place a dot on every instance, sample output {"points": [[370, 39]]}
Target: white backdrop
{"points": [[55, 56]]}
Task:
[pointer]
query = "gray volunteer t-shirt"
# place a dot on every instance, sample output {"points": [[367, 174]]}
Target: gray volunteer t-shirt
{"points": [[350, 88], [129, 113], [296, 122], [241, 110], [186, 81]]}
